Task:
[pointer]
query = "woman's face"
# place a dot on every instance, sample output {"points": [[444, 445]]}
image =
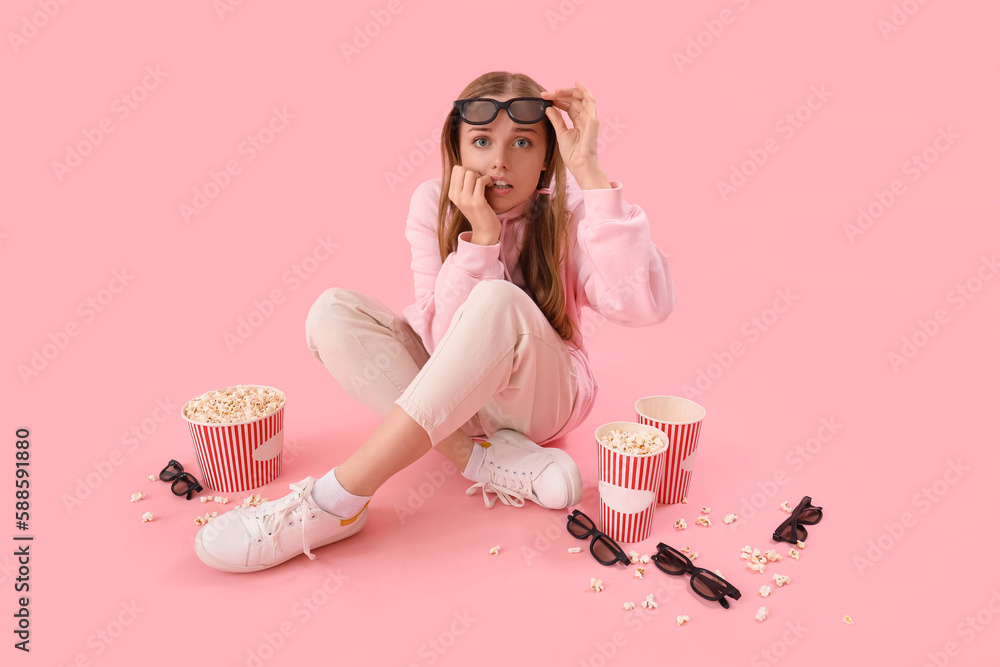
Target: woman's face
{"points": [[504, 150]]}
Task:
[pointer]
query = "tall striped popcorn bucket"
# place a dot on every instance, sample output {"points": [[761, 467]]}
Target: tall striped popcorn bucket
{"points": [[239, 456], [627, 484], [680, 418]]}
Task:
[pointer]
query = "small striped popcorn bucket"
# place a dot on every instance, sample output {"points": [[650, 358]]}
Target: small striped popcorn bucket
{"points": [[680, 419], [239, 456], [627, 484]]}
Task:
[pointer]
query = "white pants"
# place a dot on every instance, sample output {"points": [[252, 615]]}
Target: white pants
{"points": [[499, 365]]}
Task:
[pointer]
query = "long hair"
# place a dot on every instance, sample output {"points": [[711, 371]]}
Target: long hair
{"points": [[546, 235]]}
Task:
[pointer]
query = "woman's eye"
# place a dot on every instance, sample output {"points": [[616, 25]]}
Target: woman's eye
{"points": [[526, 142], [476, 140]]}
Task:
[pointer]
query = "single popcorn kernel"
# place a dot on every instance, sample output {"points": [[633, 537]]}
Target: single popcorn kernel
{"points": [[772, 555], [762, 613], [764, 591], [495, 551], [629, 605], [781, 580], [148, 516], [639, 572], [703, 520], [574, 550], [848, 620], [644, 558], [729, 518], [633, 556], [648, 603], [596, 584], [681, 620], [680, 524], [693, 556], [706, 510], [793, 553], [684, 500], [151, 478], [204, 499], [785, 506], [137, 496], [800, 544]]}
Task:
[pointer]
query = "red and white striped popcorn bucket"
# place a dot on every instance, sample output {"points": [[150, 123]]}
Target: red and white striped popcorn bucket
{"points": [[627, 484], [680, 418], [239, 456]]}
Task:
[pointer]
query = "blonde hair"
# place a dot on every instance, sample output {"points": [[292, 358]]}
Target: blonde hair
{"points": [[546, 235]]}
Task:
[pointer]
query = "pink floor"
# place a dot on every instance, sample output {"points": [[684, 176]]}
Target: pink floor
{"points": [[864, 373]]}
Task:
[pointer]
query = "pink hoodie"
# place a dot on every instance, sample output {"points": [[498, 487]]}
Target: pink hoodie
{"points": [[612, 267]]}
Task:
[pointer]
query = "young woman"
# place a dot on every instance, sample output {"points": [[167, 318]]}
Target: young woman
{"points": [[521, 232]]}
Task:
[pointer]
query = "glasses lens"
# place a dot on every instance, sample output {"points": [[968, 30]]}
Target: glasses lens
{"points": [[527, 111], [479, 111], [800, 534], [810, 515], [604, 550], [708, 585], [579, 525], [184, 484], [171, 471], [668, 561]]}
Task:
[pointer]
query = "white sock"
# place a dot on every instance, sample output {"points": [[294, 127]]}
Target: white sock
{"points": [[474, 468], [334, 498]]}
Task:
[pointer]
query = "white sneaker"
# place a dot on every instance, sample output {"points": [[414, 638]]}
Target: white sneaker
{"points": [[516, 468], [249, 539]]}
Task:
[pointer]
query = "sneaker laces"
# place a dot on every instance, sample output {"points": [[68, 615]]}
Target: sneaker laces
{"points": [[507, 488], [271, 525]]}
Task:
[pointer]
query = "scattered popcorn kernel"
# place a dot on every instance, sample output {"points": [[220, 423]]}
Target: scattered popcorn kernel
{"points": [[785, 506], [137, 496], [761, 613], [151, 478], [680, 524], [639, 572], [781, 580], [848, 620], [719, 573], [204, 499], [633, 556], [693, 556], [629, 605], [684, 500], [495, 551], [800, 544], [644, 558], [681, 620], [686, 549], [756, 552], [202, 520], [772, 555], [747, 549], [648, 603], [148, 516], [252, 500], [597, 584], [706, 510], [745, 556], [221, 500], [703, 520], [574, 550], [793, 554], [765, 590], [729, 518]]}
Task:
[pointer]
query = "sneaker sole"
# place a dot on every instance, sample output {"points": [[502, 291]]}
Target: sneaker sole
{"points": [[211, 561], [561, 458]]}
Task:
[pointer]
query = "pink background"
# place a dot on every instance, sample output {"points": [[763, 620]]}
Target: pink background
{"points": [[421, 588]]}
